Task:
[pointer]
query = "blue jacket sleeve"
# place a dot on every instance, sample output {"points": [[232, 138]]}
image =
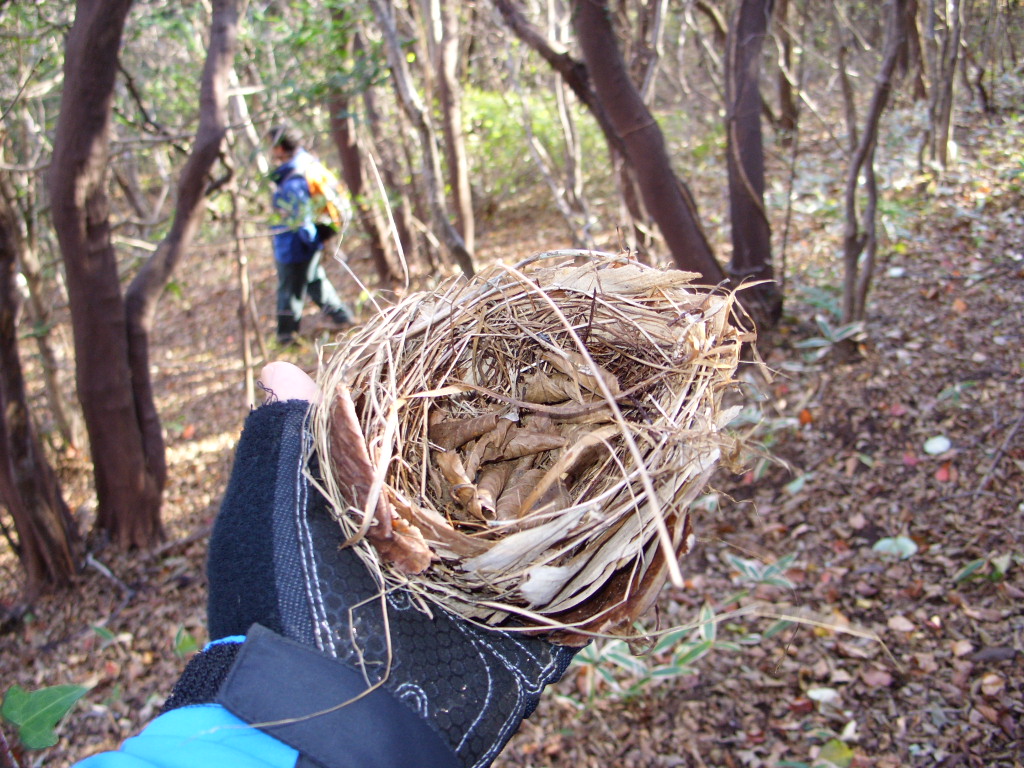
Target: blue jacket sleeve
{"points": [[201, 736]]}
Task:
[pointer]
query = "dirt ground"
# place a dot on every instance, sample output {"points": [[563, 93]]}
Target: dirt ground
{"points": [[893, 506]]}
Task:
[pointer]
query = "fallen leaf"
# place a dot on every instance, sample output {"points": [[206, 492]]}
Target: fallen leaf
{"points": [[806, 417], [992, 684], [944, 473], [801, 706], [823, 695], [989, 713], [900, 624], [983, 614], [926, 662], [959, 306], [961, 648], [876, 678]]}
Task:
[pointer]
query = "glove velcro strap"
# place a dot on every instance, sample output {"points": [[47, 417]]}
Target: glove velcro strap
{"points": [[203, 676], [321, 707]]}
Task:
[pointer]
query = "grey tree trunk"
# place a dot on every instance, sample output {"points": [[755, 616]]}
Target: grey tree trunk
{"points": [[415, 110]]}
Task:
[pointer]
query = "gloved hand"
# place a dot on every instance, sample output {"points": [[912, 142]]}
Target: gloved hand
{"points": [[319, 634], [309, 234]]}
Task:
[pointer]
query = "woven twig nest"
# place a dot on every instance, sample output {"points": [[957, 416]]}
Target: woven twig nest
{"points": [[522, 448]]}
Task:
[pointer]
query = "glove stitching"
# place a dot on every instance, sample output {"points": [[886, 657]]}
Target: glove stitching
{"points": [[322, 632], [476, 642], [415, 697]]}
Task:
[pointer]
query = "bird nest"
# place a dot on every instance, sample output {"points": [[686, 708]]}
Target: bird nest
{"points": [[523, 448]]}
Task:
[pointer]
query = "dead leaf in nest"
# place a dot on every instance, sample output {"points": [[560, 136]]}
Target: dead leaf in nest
{"points": [[578, 368], [520, 482], [554, 388], [526, 442], [492, 481], [454, 433], [396, 540]]}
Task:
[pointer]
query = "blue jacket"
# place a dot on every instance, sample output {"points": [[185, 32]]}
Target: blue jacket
{"points": [[295, 236]]}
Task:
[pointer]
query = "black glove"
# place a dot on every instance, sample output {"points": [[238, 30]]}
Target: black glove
{"points": [[452, 695]]}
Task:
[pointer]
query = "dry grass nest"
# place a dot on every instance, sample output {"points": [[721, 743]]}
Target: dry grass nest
{"points": [[523, 448]]}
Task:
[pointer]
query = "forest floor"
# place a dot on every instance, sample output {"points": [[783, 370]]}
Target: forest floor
{"points": [[892, 512]]}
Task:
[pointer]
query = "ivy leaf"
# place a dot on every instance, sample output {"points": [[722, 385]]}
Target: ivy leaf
{"points": [[36, 714]]}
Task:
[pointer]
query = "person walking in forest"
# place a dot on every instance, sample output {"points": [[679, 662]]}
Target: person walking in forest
{"points": [[308, 213]]}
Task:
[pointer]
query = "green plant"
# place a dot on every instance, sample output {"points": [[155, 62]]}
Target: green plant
{"points": [[610, 669], [991, 568], [36, 714], [759, 572], [184, 643], [819, 347]]}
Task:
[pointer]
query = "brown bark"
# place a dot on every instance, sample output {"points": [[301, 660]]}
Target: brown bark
{"points": [[400, 207], [111, 333], [343, 132], [666, 198], [751, 230], [144, 292], [47, 538], [574, 74], [126, 486], [860, 237], [911, 61]]}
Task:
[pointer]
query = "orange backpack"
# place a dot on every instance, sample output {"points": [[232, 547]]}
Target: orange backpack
{"points": [[330, 203]]}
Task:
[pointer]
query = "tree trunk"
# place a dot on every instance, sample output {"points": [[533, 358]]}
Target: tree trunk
{"points": [[144, 291], [450, 97], [343, 132], [47, 538], [399, 208], [666, 198], [941, 112], [66, 418], [751, 230], [789, 113], [574, 74], [912, 58], [417, 113], [127, 488], [345, 136], [860, 236]]}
